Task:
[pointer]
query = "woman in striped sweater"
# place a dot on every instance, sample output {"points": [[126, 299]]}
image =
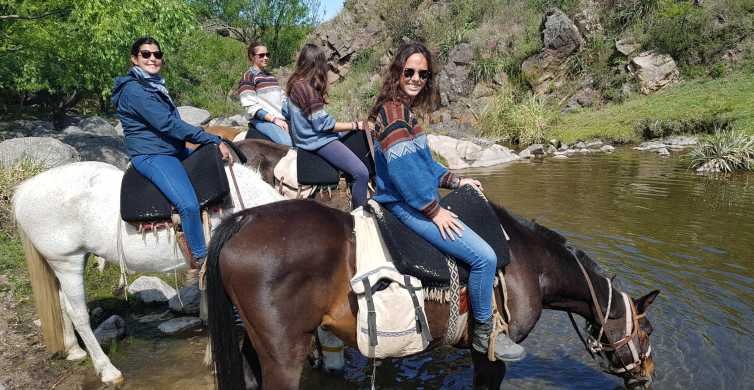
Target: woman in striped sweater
{"points": [[262, 97], [407, 181]]}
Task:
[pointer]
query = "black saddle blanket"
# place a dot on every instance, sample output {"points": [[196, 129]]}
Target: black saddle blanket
{"points": [[141, 201], [412, 255]]}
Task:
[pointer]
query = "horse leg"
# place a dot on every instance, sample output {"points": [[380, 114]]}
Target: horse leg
{"points": [[72, 288], [487, 374], [252, 370], [71, 343]]}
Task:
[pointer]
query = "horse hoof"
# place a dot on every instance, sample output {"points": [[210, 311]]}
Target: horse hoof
{"points": [[113, 378], [75, 354]]}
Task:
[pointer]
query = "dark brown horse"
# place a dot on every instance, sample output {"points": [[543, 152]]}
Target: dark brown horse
{"points": [[287, 267], [264, 155]]}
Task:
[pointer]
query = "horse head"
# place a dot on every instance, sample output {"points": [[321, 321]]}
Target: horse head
{"points": [[623, 343]]}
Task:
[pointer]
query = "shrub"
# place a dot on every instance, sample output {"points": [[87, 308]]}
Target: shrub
{"points": [[522, 121], [9, 179], [724, 151], [658, 128]]}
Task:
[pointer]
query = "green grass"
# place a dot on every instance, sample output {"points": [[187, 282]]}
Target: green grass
{"points": [[728, 99]]}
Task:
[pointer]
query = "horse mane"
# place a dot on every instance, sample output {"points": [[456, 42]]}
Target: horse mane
{"points": [[555, 241]]}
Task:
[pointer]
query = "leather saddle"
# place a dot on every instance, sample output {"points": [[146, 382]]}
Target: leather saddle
{"points": [[315, 170], [413, 255], [142, 202]]}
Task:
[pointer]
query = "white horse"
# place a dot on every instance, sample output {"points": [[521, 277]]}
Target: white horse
{"points": [[68, 212]]}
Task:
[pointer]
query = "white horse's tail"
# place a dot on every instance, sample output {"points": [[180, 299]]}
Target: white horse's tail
{"points": [[46, 296]]}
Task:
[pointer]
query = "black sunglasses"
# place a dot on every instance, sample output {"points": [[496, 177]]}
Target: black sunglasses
{"points": [[146, 54], [262, 55], [409, 73]]}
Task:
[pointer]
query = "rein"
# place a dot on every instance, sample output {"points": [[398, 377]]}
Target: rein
{"points": [[594, 345]]}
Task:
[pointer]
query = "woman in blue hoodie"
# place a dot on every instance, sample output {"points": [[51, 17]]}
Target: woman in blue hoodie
{"points": [[156, 136]]}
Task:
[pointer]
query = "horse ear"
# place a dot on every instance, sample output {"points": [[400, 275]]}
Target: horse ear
{"points": [[642, 304]]}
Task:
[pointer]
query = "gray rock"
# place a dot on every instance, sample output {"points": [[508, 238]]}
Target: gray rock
{"points": [[43, 151], [579, 145], [525, 154], [194, 116], [588, 19], [71, 130], [105, 148], [462, 54], [654, 71], [563, 147], [112, 329], [154, 317], [464, 154], [607, 148], [595, 143], [151, 289], [119, 129], [651, 145], [586, 97], [25, 128], [560, 156], [560, 34], [681, 140], [536, 149], [97, 126], [551, 149], [627, 46], [186, 301], [180, 325], [663, 152], [97, 314]]}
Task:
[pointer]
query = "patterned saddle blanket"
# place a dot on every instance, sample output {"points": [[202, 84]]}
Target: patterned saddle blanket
{"points": [[413, 255]]}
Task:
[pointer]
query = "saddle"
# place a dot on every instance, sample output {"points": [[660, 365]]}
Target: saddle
{"points": [[413, 255], [142, 202], [315, 170]]}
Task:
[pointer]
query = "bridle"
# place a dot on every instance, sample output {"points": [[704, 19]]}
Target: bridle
{"points": [[595, 346]]}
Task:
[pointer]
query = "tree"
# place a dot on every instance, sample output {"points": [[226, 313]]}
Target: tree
{"points": [[59, 51], [280, 24]]}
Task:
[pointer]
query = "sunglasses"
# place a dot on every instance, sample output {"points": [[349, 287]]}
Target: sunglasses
{"points": [[146, 54], [409, 73], [262, 55]]}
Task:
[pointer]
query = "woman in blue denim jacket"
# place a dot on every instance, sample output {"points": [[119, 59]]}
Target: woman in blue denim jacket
{"points": [[156, 136], [407, 181]]}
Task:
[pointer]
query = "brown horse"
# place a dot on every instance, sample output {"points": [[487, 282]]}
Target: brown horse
{"points": [[287, 267], [263, 155]]}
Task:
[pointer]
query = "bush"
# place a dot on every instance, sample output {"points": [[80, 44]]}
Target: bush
{"points": [[658, 128], [205, 70], [9, 179], [522, 121], [724, 151]]}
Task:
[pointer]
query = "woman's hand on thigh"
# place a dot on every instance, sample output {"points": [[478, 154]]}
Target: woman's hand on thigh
{"points": [[448, 223]]}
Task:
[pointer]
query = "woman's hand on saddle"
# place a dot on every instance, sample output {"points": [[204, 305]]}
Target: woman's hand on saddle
{"points": [[280, 123], [448, 223], [225, 152], [472, 182]]}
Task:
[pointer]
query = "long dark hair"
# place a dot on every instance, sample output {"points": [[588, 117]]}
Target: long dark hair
{"points": [[391, 86], [311, 67], [143, 41]]}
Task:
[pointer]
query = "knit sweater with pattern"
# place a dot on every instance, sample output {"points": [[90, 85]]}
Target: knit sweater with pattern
{"points": [[259, 90], [405, 169], [311, 126]]}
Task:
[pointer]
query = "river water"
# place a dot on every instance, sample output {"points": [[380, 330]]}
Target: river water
{"points": [[647, 219]]}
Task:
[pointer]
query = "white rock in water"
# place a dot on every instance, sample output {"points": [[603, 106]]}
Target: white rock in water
{"points": [[194, 116], [179, 325], [151, 289], [607, 148]]}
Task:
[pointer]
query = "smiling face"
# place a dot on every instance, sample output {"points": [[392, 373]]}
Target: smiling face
{"points": [[414, 69], [146, 59], [261, 57]]}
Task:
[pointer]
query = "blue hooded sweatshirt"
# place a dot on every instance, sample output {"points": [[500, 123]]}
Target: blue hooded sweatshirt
{"points": [[151, 122]]}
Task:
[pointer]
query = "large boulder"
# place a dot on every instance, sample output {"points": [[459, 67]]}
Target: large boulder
{"points": [[97, 126], [194, 116], [544, 71], [151, 289], [42, 151], [105, 148], [586, 97], [461, 154], [588, 19], [627, 45], [186, 301], [25, 128], [654, 71], [455, 81]]}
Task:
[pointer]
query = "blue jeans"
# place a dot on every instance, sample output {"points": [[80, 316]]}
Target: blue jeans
{"points": [[338, 154], [469, 248], [276, 133], [169, 176]]}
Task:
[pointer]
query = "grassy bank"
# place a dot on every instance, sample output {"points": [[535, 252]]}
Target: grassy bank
{"points": [[726, 100]]}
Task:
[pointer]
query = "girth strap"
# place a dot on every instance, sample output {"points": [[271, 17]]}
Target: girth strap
{"points": [[421, 321]]}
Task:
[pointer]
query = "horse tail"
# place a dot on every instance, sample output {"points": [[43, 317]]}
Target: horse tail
{"points": [[220, 313], [44, 284]]}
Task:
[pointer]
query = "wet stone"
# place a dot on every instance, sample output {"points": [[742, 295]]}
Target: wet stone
{"points": [[114, 328], [180, 325]]}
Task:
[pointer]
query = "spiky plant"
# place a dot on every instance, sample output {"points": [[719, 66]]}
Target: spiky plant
{"points": [[723, 151]]}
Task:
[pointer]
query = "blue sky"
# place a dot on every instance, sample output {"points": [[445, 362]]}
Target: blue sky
{"points": [[331, 7]]}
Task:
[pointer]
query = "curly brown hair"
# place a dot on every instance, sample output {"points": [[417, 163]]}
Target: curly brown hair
{"points": [[391, 88]]}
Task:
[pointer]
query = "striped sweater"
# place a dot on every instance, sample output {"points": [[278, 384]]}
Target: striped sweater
{"points": [[405, 169], [259, 90]]}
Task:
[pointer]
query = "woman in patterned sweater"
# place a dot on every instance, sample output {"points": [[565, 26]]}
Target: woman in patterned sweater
{"points": [[313, 128], [407, 181], [262, 97]]}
